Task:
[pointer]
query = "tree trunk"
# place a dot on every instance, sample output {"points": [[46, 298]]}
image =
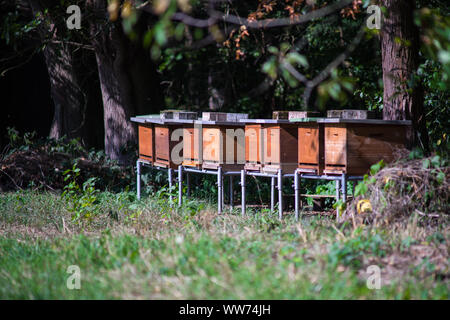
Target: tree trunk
{"points": [[128, 82], [117, 104], [68, 97], [403, 96]]}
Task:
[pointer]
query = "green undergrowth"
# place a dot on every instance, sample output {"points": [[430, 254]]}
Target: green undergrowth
{"points": [[151, 249]]}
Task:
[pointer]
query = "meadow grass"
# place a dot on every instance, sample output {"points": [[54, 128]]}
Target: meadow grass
{"points": [[131, 249]]}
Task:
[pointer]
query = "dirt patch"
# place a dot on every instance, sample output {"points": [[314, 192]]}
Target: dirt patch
{"points": [[41, 167]]}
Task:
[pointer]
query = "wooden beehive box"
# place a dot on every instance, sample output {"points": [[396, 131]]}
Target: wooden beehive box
{"points": [[253, 147], [280, 147], [146, 142], [158, 139], [192, 146], [164, 145], [311, 155], [146, 138], [277, 143], [221, 147], [353, 146]]}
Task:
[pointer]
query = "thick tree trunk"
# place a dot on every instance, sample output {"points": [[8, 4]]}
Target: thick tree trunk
{"points": [[128, 82], [68, 97], [403, 97], [117, 104]]}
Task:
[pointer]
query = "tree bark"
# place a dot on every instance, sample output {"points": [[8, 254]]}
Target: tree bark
{"points": [[117, 104], [68, 98], [128, 82], [403, 94]]}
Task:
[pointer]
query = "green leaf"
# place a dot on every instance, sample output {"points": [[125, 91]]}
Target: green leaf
{"points": [[436, 161], [273, 50], [377, 167], [296, 58], [361, 189], [270, 67], [440, 177]]}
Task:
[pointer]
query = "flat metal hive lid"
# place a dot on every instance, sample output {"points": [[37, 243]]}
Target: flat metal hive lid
{"points": [[271, 121], [219, 123], [155, 119], [365, 121], [305, 119]]}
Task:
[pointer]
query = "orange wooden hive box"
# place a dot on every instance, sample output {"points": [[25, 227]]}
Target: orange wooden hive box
{"points": [[353, 146], [146, 137], [192, 142], [311, 149], [158, 139], [253, 147], [223, 140], [274, 148], [165, 142], [146, 142]]}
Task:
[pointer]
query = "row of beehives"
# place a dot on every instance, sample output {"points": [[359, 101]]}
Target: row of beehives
{"points": [[289, 141]]}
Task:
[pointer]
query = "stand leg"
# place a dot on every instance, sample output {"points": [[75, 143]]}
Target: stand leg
{"points": [[297, 193], [280, 194], [272, 194], [138, 177], [344, 188], [223, 191], [337, 189], [231, 193], [219, 190], [180, 185], [170, 174], [337, 196], [243, 191]]}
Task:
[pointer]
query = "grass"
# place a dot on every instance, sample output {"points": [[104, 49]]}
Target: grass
{"points": [[147, 250]]}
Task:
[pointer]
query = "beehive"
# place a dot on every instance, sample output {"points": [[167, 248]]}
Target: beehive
{"points": [[161, 140], [192, 142], [146, 142], [223, 145], [253, 133], [310, 145], [275, 147], [165, 142], [353, 146], [280, 147], [146, 137]]}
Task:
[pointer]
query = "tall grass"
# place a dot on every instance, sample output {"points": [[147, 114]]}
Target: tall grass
{"points": [[150, 249]]}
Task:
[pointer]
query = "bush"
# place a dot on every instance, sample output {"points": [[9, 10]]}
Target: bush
{"points": [[417, 186]]}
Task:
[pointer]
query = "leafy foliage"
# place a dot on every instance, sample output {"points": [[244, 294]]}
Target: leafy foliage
{"points": [[81, 200]]}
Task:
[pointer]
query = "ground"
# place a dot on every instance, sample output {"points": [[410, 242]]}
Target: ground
{"points": [[145, 249]]}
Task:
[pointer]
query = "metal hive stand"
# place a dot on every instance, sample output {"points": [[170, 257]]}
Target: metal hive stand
{"points": [[220, 173], [341, 184]]}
